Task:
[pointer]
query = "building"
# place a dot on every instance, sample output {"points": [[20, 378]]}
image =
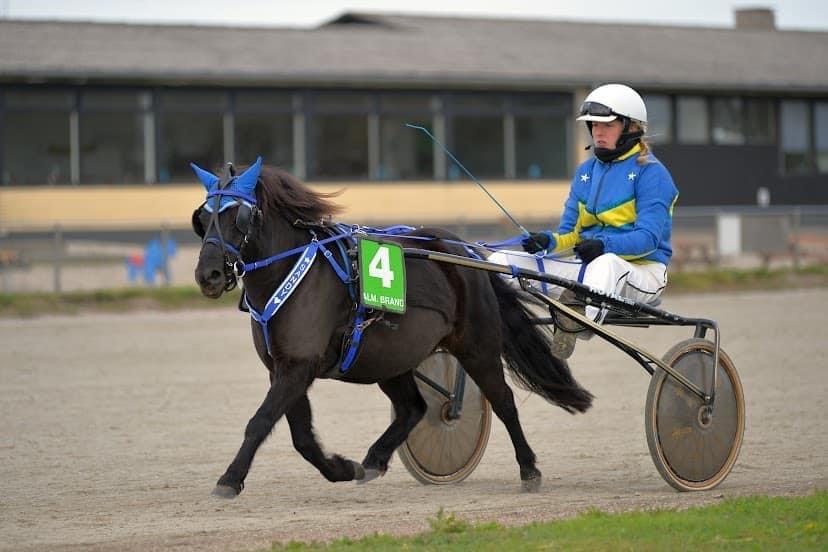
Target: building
{"points": [[98, 122]]}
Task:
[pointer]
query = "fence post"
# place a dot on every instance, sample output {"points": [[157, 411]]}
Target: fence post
{"points": [[58, 258], [165, 268], [797, 220]]}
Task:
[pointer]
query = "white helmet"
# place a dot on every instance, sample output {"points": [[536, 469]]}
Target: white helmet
{"points": [[610, 101]]}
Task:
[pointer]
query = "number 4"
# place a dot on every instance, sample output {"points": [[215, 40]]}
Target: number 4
{"points": [[380, 267]]}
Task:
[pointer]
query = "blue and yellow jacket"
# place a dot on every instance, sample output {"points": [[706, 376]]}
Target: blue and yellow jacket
{"points": [[627, 206]]}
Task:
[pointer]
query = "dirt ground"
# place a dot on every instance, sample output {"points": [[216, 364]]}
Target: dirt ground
{"points": [[116, 427]]}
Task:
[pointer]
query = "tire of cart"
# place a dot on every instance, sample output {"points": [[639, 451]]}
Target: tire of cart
{"points": [[445, 448], [694, 446]]}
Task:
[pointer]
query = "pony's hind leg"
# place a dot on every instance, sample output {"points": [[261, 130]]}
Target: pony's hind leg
{"points": [[409, 409], [334, 468], [487, 373]]}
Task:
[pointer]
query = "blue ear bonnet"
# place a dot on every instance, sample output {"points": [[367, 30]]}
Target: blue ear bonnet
{"points": [[230, 189]]}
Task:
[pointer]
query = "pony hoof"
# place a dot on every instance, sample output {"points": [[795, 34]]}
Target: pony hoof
{"points": [[369, 475], [224, 491], [359, 471], [532, 485]]}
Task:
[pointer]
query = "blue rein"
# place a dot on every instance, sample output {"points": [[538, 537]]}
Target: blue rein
{"points": [[308, 254]]}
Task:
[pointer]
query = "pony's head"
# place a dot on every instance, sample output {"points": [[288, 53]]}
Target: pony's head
{"points": [[262, 211], [225, 222]]}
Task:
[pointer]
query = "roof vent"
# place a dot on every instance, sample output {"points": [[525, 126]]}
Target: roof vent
{"points": [[755, 19], [350, 18]]}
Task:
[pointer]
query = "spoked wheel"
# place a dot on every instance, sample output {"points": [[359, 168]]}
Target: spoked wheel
{"points": [[693, 446], [441, 450]]}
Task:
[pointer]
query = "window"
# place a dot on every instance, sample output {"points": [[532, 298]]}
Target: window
{"points": [[796, 131], [36, 137], [659, 118], [111, 138], [478, 144], [405, 153], [691, 120], [760, 121], [339, 136], [476, 130], [727, 121], [190, 130], [821, 121], [269, 135], [541, 126], [264, 126], [541, 146]]}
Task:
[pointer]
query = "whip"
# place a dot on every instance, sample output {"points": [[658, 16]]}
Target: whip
{"points": [[523, 230]]}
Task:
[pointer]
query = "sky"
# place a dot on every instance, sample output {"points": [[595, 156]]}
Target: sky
{"points": [[790, 14]]}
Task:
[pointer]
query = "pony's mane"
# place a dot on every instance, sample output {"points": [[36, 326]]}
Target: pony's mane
{"points": [[284, 194]]}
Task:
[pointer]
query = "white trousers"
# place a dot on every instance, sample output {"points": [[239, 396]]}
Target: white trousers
{"points": [[609, 273]]}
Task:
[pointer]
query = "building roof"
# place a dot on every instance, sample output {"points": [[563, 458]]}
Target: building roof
{"points": [[418, 51]]}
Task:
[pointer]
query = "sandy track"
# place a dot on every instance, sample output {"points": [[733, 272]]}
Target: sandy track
{"points": [[115, 428]]}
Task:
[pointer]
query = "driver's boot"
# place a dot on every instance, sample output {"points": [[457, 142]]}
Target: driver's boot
{"points": [[566, 329]]}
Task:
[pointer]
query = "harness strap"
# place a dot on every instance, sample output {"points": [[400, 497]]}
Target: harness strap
{"points": [[284, 291], [232, 193], [343, 274], [356, 338], [248, 267], [541, 268], [217, 242]]}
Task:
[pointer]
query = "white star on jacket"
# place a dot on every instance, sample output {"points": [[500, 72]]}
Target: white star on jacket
{"points": [[584, 177], [631, 176]]}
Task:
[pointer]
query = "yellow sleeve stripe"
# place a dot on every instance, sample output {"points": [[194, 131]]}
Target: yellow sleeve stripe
{"points": [[566, 241]]}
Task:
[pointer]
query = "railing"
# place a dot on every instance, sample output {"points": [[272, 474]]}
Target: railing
{"points": [[63, 259], [719, 235]]}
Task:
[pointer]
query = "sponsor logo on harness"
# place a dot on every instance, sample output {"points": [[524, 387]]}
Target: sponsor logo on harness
{"points": [[292, 280]]}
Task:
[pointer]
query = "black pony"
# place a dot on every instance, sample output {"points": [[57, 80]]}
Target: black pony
{"points": [[473, 314]]}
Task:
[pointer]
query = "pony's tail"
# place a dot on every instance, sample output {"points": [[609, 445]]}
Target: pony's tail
{"points": [[526, 349]]}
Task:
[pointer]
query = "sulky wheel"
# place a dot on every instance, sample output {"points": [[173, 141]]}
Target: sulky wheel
{"points": [[693, 446], [440, 450]]}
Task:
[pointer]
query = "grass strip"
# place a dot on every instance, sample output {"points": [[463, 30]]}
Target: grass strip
{"points": [[727, 280], [748, 523], [110, 300], [189, 297]]}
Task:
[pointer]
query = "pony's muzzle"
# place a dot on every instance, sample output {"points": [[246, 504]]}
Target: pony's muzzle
{"points": [[210, 277], [211, 283]]}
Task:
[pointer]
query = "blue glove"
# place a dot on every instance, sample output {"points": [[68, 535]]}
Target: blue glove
{"points": [[537, 241], [588, 250]]}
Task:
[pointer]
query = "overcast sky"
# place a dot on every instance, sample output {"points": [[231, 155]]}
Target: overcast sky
{"points": [[790, 14]]}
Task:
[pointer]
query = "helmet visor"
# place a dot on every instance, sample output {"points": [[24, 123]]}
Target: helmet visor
{"points": [[594, 111]]}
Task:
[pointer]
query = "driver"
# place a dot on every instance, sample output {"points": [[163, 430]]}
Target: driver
{"points": [[614, 233]]}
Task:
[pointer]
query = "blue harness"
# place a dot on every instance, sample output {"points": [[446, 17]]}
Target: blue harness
{"points": [[343, 237]]}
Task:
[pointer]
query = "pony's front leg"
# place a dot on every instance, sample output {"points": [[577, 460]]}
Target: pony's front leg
{"points": [[286, 387], [334, 468]]}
